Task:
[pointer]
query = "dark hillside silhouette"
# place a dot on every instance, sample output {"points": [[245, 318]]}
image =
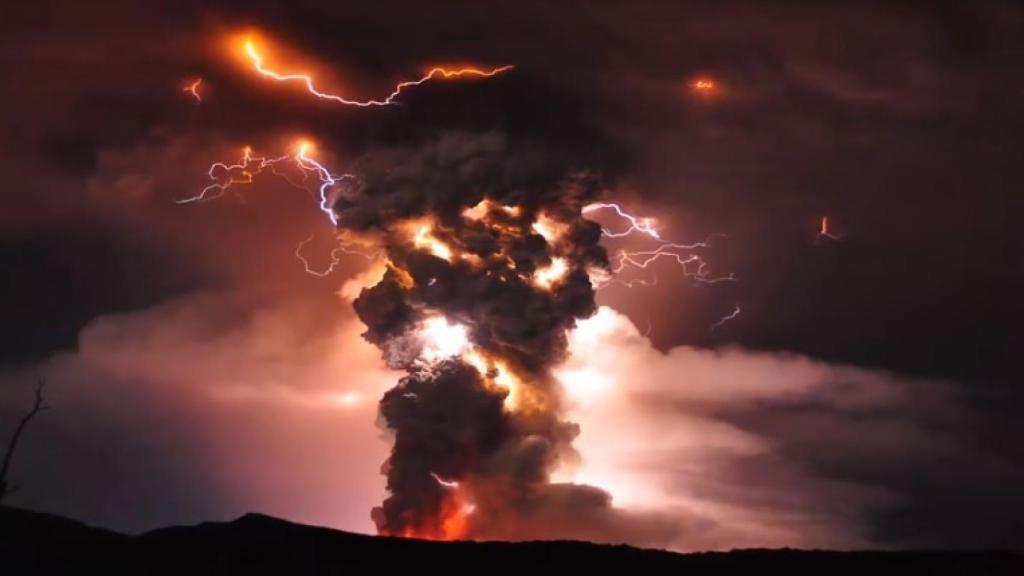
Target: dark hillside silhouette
{"points": [[35, 543]]}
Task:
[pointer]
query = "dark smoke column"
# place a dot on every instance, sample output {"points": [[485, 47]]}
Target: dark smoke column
{"points": [[488, 267]]}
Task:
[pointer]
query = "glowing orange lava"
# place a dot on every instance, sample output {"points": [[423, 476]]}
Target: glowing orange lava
{"points": [[452, 522]]}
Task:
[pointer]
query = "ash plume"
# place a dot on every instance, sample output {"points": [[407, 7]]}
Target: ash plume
{"points": [[488, 266]]}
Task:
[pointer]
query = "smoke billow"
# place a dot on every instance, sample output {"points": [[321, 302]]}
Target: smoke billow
{"points": [[488, 267]]}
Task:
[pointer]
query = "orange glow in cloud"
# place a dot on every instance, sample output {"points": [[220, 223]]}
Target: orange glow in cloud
{"points": [[549, 275], [703, 85], [425, 239], [255, 56]]}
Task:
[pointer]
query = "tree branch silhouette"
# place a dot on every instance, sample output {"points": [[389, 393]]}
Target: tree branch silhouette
{"points": [[13, 444]]}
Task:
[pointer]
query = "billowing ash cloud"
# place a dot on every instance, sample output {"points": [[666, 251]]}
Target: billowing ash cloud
{"points": [[488, 268]]}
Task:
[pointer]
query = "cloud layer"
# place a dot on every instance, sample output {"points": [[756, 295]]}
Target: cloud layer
{"points": [[181, 413]]}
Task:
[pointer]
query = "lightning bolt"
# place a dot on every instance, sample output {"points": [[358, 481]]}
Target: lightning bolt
{"points": [[193, 89], [642, 225], [343, 247], [225, 176], [692, 264], [327, 180], [824, 232], [450, 484], [686, 256], [731, 316], [635, 282], [256, 59]]}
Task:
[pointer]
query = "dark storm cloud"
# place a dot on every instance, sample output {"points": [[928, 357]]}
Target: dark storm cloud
{"points": [[902, 123]]}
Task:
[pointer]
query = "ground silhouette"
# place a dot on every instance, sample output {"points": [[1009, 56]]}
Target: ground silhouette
{"points": [[36, 543]]}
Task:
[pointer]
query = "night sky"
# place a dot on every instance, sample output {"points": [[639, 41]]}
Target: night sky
{"points": [[865, 396]]}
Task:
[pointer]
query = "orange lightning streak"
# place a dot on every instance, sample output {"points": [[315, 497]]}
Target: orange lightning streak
{"points": [[193, 89], [824, 233], [437, 72], [731, 316]]}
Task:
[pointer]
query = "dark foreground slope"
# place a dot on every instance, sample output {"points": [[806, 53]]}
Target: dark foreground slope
{"points": [[34, 543]]}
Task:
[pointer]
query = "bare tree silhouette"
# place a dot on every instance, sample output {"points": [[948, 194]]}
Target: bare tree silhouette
{"points": [[13, 444]]}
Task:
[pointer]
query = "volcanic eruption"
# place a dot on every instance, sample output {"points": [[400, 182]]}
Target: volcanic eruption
{"points": [[488, 265], [489, 262]]}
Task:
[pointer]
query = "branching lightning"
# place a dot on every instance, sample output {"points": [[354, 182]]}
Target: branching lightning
{"points": [[192, 88], [343, 247], [327, 180], [257, 61], [692, 264], [642, 225], [225, 176]]}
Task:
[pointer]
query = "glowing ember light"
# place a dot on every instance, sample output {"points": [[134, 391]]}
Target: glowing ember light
{"points": [[424, 239], [454, 521], [549, 228], [476, 360], [193, 89], [549, 275], [516, 399], [405, 279], [703, 85], [441, 339], [257, 61], [824, 231], [731, 316], [451, 523], [484, 207], [497, 373], [477, 212]]}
